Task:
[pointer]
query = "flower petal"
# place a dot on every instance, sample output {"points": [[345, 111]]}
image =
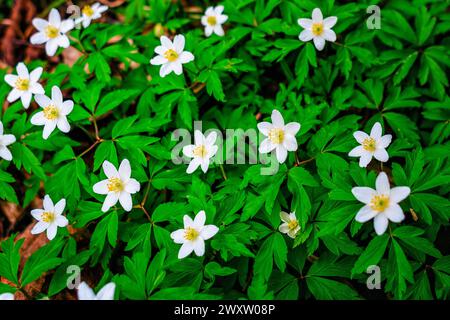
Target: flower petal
{"points": [[365, 159], [54, 18], [178, 236], [363, 194], [305, 23], [185, 250], [49, 126], [110, 170], [85, 292], [381, 155], [208, 231], [319, 43], [292, 128], [61, 221], [264, 127], [39, 227], [357, 151], [382, 184], [199, 220], [394, 213], [125, 170], [22, 71], [132, 186], [329, 35], [281, 153], [376, 131], [399, 193], [317, 15], [277, 119], [360, 136], [193, 165], [107, 292], [36, 74], [290, 143], [110, 200], [178, 43], [385, 141], [365, 214], [199, 247], [48, 204], [60, 206], [126, 201], [266, 146], [380, 223], [329, 22], [51, 231], [101, 187]]}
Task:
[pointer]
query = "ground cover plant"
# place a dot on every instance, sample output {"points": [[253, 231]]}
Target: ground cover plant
{"points": [[247, 149]]}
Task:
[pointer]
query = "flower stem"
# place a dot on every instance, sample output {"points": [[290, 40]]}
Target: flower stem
{"points": [[223, 172]]}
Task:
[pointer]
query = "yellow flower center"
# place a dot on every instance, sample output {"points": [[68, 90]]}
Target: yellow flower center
{"points": [[293, 224], [379, 203], [87, 10], [190, 234], [171, 55], [115, 185], [51, 31], [369, 144], [276, 136], [22, 84], [51, 112], [212, 21], [200, 151], [48, 217], [317, 28]]}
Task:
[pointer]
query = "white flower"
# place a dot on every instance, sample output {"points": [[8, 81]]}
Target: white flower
{"points": [[49, 218], [90, 13], [374, 145], [380, 204], [5, 140], [54, 113], [7, 296], [105, 293], [318, 29], [201, 151], [193, 235], [24, 84], [213, 20], [279, 136], [118, 187], [171, 55], [52, 32], [290, 226]]}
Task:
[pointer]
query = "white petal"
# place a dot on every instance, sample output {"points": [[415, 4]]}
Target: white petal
{"points": [[48, 204], [51, 231], [329, 35], [317, 15], [199, 138], [11, 79], [166, 43], [199, 220], [188, 150], [212, 151], [357, 151], [319, 43], [290, 143], [306, 35], [365, 214], [218, 10], [284, 216], [110, 200], [37, 213], [329, 22], [59, 206], [178, 43], [394, 213], [36, 74], [382, 184], [63, 41], [85, 293], [277, 119], [158, 60], [266, 146], [39, 227], [178, 236], [6, 296], [125, 170], [399, 193], [365, 159], [54, 18], [57, 97], [264, 127], [305, 23], [8, 139], [199, 247], [187, 221], [284, 228], [185, 250], [186, 57], [204, 165], [208, 30], [36, 88], [360, 136], [66, 107], [292, 128], [39, 23], [363, 194], [211, 138], [209, 231], [160, 50], [26, 99], [51, 46], [38, 38], [193, 165], [107, 292], [177, 68], [222, 18], [63, 124], [126, 201], [66, 25], [281, 153], [101, 187], [5, 153], [219, 30], [13, 95], [380, 223], [22, 71], [48, 129], [109, 169], [385, 141], [1, 128], [132, 186], [61, 221], [165, 70], [42, 100], [376, 131], [381, 155]]}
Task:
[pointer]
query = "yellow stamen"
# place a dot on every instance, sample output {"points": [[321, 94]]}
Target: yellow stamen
{"points": [[200, 151], [190, 234], [51, 112], [369, 144], [22, 84], [317, 28], [115, 185], [171, 55], [51, 31], [48, 217], [212, 21], [292, 225], [276, 136], [87, 10], [379, 202]]}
